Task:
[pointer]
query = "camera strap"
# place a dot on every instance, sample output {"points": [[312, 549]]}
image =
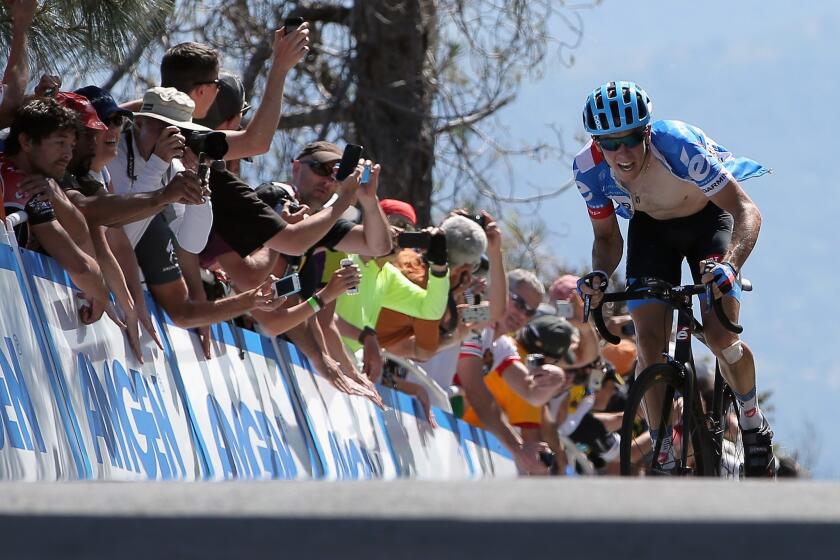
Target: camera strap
{"points": [[129, 156]]}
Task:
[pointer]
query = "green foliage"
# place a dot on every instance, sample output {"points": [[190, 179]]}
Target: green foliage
{"points": [[88, 31]]}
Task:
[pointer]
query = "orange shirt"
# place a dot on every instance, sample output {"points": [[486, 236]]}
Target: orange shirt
{"points": [[393, 327]]}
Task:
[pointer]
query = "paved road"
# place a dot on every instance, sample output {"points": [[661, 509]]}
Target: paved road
{"points": [[566, 518]]}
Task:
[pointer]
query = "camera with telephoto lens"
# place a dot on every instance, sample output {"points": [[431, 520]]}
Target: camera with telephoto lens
{"points": [[210, 142]]}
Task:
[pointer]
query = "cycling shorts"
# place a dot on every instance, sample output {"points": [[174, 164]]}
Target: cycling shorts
{"points": [[656, 248]]}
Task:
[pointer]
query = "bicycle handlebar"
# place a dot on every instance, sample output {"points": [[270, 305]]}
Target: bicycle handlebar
{"points": [[657, 289]]}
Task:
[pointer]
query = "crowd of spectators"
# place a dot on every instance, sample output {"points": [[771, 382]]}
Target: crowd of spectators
{"points": [[146, 196]]}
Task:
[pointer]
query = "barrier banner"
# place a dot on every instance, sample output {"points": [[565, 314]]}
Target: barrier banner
{"points": [[422, 451], [33, 443], [242, 408], [348, 430], [130, 418]]}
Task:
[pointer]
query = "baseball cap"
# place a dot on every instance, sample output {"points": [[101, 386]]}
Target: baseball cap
{"points": [[392, 206], [563, 288], [170, 106], [87, 114], [321, 151], [550, 335], [103, 102], [229, 102]]}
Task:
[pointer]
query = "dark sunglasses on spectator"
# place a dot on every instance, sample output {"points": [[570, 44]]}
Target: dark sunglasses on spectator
{"points": [[401, 223], [630, 141], [318, 168], [216, 82], [118, 120], [519, 302]]}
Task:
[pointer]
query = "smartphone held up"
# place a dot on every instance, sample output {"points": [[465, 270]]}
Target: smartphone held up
{"points": [[345, 263], [287, 285]]}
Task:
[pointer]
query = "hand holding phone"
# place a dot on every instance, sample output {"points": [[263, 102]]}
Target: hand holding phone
{"points": [[292, 23], [349, 262], [349, 161], [287, 285], [474, 314], [564, 309]]}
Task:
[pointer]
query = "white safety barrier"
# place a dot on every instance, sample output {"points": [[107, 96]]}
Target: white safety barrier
{"points": [[75, 403], [33, 445]]}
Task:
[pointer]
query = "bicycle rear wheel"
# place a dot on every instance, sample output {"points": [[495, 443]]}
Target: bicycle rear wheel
{"points": [[666, 384]]}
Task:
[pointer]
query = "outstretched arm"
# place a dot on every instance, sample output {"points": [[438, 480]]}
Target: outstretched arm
{"points": [[17, 68], [289, 48]]}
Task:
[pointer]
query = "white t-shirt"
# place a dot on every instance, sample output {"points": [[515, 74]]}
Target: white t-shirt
{"points": [[191, 224], [496, 352]]}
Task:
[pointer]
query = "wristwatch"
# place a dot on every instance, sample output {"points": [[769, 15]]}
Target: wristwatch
{"points": [[366, 331]]}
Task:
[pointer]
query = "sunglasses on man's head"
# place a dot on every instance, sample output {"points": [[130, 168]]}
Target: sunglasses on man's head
{"points": [[318, 168], [217, 82], [630, 141], [519, 302]]}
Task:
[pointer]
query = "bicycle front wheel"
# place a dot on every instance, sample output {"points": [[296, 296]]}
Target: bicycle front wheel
{"points": [[729, 440], [656, 401]]}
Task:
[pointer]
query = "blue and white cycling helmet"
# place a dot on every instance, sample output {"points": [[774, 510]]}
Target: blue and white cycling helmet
{"points": [[607, 112]]}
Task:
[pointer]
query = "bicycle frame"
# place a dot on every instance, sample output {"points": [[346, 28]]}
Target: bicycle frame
{"points": [[710, 430]]}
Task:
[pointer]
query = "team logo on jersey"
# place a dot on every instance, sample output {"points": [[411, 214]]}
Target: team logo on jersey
{"points": [[585, 191], [697, 166], [624, 201]]}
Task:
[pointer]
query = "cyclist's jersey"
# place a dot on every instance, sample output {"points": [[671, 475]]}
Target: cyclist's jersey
{"points": [[683, 149]]}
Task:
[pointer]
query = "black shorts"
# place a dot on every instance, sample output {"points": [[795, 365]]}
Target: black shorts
{"points": [[240, 218], [656, 248], [156, 253]]}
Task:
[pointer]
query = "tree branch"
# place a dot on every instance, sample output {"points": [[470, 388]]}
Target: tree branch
{"points": [[475, 116], [315, 117]]}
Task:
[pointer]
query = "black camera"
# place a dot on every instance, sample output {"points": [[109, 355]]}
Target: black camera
{"points": [[535, 360], [483, 267], [480, 219], [209, 142], [276, 196]]}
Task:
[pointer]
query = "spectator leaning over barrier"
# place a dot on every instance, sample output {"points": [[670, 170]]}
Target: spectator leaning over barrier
{"points": [[581, 413], [553, 338], [421, 339], [76, 184], [145, 152], [193, 68], [16, 76], [383, 285], [493, 350], [37, 153], [148, 155], [310, 190], [90, 192]]}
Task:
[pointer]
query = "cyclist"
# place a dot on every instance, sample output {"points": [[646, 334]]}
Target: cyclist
{"points": [[681, 192]]}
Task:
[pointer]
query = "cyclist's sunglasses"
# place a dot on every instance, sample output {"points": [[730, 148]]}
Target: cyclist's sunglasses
{"points": [[318, 168], [613, 144], [519, 302]]}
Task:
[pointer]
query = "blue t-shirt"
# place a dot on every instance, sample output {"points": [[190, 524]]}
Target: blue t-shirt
{"points": [[685, 150]]}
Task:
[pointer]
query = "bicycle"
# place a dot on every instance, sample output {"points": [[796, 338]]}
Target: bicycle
{"points": [[708, 440]]}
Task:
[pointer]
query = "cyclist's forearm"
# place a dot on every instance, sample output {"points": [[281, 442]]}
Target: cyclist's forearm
{"points": [[606, 253], [744, 235]]}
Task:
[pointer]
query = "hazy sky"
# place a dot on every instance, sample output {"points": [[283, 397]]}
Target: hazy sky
{"points": [[761, 78]]}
